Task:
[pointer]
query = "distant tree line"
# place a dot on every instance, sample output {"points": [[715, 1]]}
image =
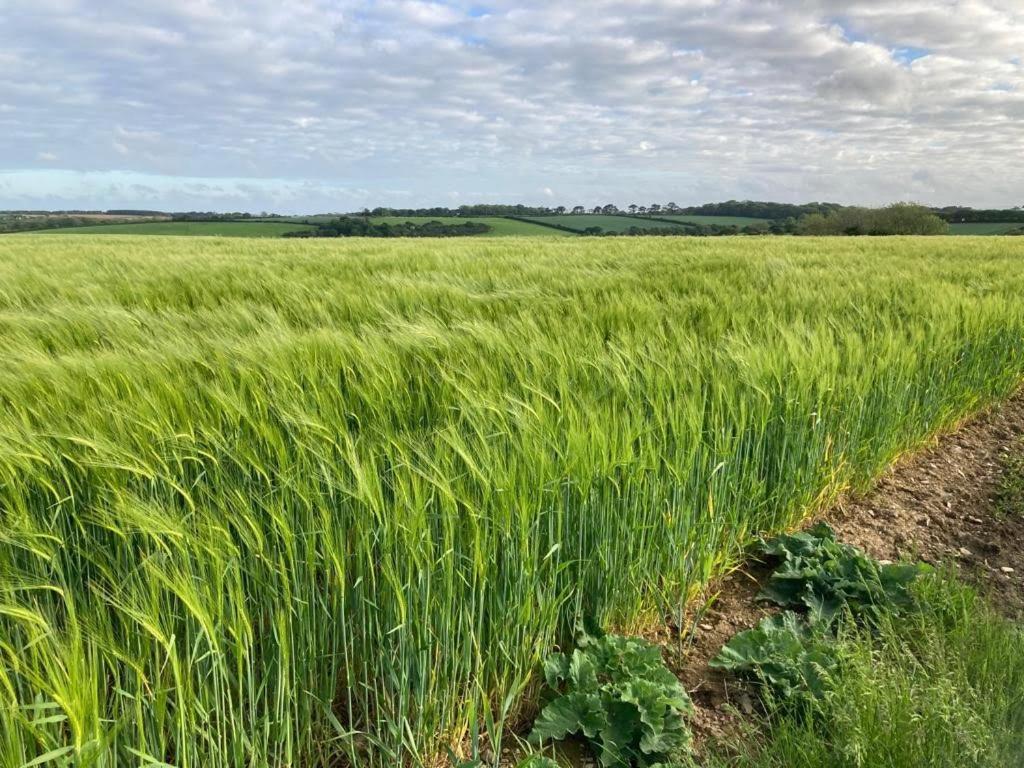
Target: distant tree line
{"points": [[351, 226], [462, 210], [214, 216], [756, 209], [743, 208], [957, 215]]}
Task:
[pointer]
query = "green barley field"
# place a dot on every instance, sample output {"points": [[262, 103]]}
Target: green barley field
{"points": [[327, 503]]}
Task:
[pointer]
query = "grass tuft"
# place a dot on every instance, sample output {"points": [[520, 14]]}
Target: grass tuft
{"points": [[942, 686]]}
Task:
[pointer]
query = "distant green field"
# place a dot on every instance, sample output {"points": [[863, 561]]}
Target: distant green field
{"points": [[984, 228], [499, 227], [607, 223], [317, 218], [719, 221], [193, 228]]}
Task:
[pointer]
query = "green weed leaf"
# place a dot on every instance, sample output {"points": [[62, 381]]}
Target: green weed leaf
{"points": [[783, 652], [824, 577], [572, 713], [618, 693]]}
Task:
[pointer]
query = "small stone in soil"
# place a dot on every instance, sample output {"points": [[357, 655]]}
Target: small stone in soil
{"points": [[706, 627], [746, 705], [964, 552], [1007, 570]]}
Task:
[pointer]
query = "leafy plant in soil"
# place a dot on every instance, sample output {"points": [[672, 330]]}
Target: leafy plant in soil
{"points": [[618, 694], [1010, 495], [825, 577], [796, 660], [794, 653]]}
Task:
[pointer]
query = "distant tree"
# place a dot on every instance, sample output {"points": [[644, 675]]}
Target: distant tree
{"points": [[596, 209], [895, 219], [577, 210], [642, 209], [560, 210], [672, 208], [908, 219], [632, 208], [818, 224], [610, 209], [654, 208]]}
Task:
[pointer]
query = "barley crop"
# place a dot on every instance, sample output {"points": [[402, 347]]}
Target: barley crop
{"points": [[318, 503]]}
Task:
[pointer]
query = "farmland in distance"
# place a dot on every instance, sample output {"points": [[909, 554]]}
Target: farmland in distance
{"points": [[607, 223], [499, 226], [984, 228], [721, 221], [187, 228]]}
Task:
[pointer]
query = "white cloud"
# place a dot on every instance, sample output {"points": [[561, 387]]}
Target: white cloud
{"points": [[689, 100]]}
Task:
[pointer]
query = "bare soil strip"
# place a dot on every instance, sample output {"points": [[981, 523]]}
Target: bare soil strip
{"points": [[940, 505]]}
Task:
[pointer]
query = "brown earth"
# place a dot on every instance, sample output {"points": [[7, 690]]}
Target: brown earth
{"points": [[946, 506], [943, 505]]}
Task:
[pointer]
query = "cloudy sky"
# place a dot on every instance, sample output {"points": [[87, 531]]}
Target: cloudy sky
{"points": [[331, 105]]}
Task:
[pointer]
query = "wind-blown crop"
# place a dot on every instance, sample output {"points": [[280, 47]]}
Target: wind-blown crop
{"points": [[285, 503]]}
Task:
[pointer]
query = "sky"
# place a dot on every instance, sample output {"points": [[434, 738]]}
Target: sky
{"points": [[333, 105]]}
